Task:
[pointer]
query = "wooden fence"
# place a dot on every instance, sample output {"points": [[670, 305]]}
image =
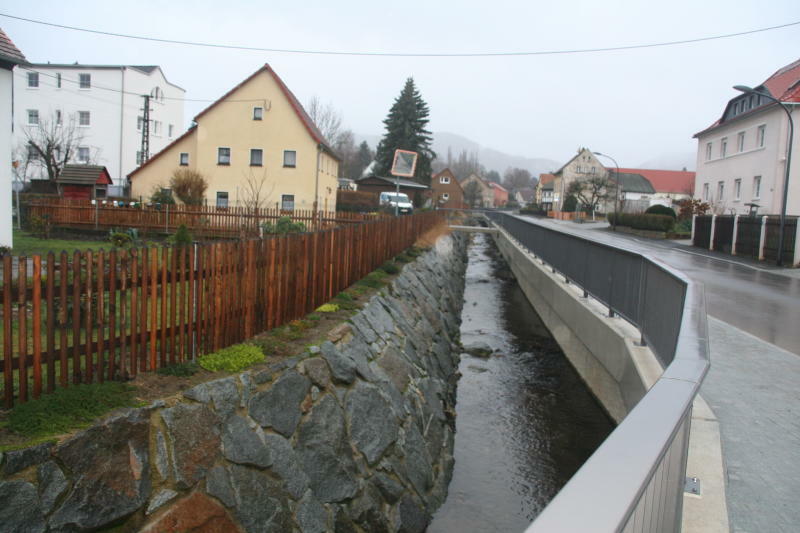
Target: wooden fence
{"points": [[201, 220], [95, 316]]}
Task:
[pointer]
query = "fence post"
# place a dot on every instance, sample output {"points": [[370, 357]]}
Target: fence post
{"points": [[713, 229], [166, 219], [735, 233], [96, 214], [694, 223], [196, 247], [796, 242], [762, 240]]}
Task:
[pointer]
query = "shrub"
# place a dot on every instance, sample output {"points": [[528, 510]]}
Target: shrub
{"points": [[284, 225], [403, 258], [182, 237], [189, 186], [232, 359], [390, 267], [533, 210], [659, 209], [642, 221], [356, 201], [692, 206], [120, 240], [181, 370], [327, 308], [161, 195], [41, 226]]}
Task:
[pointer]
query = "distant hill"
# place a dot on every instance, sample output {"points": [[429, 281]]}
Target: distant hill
{"points": [[673, 161], [490, 158]]}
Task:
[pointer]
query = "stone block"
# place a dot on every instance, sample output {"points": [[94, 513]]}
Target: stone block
{"points": [[194, 434], [20, 511], [197, 512], [279, 406], [372, 421]]}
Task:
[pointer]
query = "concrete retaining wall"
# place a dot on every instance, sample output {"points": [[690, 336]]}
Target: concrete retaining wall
{"points": [[356, 435], [603, 350]]}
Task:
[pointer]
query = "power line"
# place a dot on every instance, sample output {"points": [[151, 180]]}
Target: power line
{"points": [[404, 54]]}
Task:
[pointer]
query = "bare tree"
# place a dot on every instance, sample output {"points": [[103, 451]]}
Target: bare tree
{"points": [[189, 186], [51, 144], [473, 195], [255, 192], [590, 192], [516, 178], [327, 119]]}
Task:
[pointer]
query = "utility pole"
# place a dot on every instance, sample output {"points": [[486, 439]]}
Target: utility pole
{"points": [[145, 130]]}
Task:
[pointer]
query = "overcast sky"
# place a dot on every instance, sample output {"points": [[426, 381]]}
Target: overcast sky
{"points": [[636, 105]]}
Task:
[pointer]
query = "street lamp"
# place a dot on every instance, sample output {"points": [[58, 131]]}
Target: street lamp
{"points": [[616, 189], [749, 90]]}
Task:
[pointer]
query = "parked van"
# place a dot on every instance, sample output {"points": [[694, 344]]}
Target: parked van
{"points": [[398, 200]]}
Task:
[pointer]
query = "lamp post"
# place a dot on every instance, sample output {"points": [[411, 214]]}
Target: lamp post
{"points": [[616, 189], [749, 90]]}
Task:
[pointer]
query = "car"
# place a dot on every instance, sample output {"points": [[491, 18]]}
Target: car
{"points": [[398, 201]]}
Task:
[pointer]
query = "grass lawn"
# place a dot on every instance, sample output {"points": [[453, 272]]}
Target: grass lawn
{"points": [[28, 245]]}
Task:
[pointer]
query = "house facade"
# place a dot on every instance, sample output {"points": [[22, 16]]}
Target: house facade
{"points": [[104, 107], [486, 196], [255, 145], [583, 166], [10, 57], [544, 192], [669, 186], [500, 198], [742, 157], [446, 190]]}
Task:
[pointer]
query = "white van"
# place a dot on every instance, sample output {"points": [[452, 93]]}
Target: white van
{"points": [[398, 200]]}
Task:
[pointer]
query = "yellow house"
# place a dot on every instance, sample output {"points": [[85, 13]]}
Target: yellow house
{"points": [[256, 147]]}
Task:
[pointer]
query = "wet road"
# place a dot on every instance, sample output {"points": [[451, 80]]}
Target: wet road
{"points": [[748, 297], [525, 421]]}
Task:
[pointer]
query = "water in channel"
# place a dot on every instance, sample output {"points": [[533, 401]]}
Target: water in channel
{"points": [[525, 421]]}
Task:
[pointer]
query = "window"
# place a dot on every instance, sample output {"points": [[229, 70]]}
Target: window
{"points": [[170, 130], [58, 80], [578, 169], [184, 159], [740, 141], [721, 191], [723, 147], [737, 189], [33, 153], [708, 152], [33, 117], [223, 156], [100, 192], [594, 170], [756, 187], [83, 154], [287, 202], [85, 81], [762, 131], [445, 196], [256, 157], [139, 158], [84, 119], [258, 113], [156, 127], [139, 123], [290, 159], [59, 119], [33, 80], [705, 191], [222, 199], [157, 94], [444, 179]]}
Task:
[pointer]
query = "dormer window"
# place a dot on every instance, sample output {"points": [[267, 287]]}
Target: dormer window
{"points": [[444, 180]]}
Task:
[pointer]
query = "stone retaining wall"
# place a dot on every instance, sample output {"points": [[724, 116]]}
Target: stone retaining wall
{"points": [[356, 435]]}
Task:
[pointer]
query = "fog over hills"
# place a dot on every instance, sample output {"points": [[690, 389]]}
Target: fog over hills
{"points": [[489, 157], [494, 159]]}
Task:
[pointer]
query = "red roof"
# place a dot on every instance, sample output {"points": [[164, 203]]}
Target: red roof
{"points": [[673, 181], [785, 83], [8, 51], [497, 186], [546, 178]]}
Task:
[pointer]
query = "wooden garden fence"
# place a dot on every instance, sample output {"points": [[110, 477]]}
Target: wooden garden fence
{"points": [[93, 316], [207, 221]]}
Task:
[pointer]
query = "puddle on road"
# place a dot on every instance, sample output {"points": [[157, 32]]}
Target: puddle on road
{"points": [[525, 421]]}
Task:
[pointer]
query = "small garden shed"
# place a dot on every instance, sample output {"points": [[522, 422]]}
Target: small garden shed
{"points": [[83, 181]]}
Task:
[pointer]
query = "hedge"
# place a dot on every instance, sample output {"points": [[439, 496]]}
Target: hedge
{"points": [[659, 209], [642, 221]]}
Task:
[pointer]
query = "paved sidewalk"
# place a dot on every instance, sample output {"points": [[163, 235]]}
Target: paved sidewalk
{"points": [[753, 388]]}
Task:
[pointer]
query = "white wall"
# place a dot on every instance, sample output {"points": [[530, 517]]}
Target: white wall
{"points": [[6, 82], [114, 105], [767, 161]]}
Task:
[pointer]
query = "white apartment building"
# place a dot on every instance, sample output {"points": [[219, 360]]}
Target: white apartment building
{"points": [[741, 158], [10, 57], [105, 103]]}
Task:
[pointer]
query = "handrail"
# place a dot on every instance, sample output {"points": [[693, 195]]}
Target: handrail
{"points": [[634, 480]]}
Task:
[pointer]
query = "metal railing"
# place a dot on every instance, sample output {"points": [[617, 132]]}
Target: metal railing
{"points": [[634, 481]]}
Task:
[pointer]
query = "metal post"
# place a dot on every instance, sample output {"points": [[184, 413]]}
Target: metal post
{"points": [[397, 197], [713, 229], [735, 233], [796, 241], [762, 240], [694, 225]]}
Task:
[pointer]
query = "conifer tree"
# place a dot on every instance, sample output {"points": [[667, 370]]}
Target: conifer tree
{"points": [[405, 129]]}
